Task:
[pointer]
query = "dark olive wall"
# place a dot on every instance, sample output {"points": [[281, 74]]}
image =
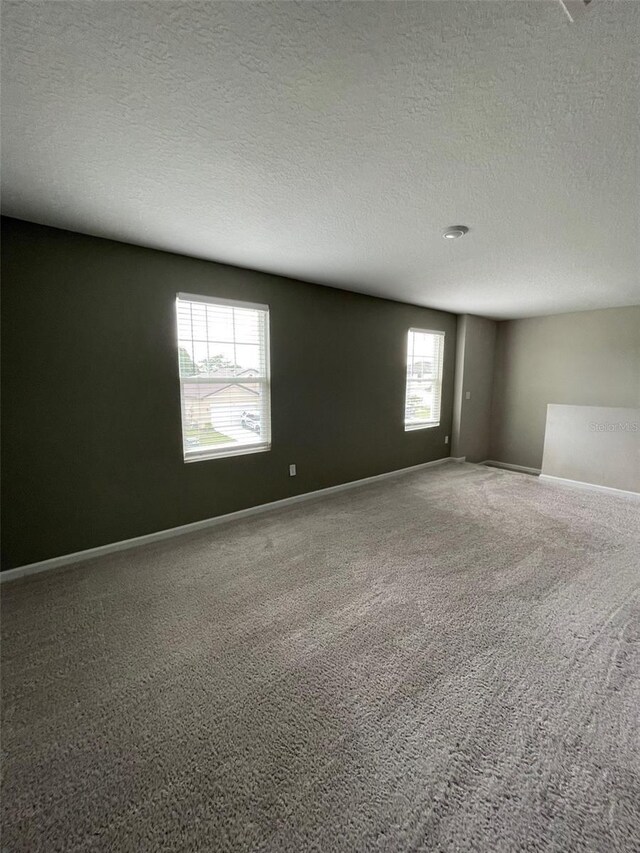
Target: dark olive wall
{"points": [[92, 448]]}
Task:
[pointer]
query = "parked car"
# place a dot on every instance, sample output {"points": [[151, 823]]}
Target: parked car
{"points": [[251, 420]]}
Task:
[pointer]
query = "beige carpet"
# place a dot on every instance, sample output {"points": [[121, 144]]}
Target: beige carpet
{"points": [[446, 661]]}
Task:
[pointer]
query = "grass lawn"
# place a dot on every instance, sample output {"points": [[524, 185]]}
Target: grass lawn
{"points": [[422, 414], [207, 436]]}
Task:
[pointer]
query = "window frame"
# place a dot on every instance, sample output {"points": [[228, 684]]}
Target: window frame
{"points": [[209, 453], [424, 424]]}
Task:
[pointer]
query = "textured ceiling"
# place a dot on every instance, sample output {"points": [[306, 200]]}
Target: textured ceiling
{"points": [[333, 141]]}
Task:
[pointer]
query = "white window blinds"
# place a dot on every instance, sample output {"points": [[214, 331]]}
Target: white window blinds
{"points": [[223, 361], [425, 351]]}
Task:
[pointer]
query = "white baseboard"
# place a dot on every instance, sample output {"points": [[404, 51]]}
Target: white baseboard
{"points": [[590, 486], [125, 544], [509, 467], [457, 458]]}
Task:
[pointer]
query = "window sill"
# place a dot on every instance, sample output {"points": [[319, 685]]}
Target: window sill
{"points": [[208, 455], [412, 427]]}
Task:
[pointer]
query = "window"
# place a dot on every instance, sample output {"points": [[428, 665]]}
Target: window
{"points": [[425, 352], [223, 361]]}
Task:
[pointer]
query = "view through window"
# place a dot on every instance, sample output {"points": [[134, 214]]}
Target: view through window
{"points": [[425, 352], [223, 355]]}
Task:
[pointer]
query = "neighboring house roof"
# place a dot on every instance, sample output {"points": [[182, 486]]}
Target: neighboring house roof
{"points": [[201, 390], [222, 371]]}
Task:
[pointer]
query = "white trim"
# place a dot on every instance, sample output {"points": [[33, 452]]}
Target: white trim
{"points": [[125, 544], [425, 425], [228, 450], [591, 486], [427, 331], [213, 300], [437, 396], [458, 458], [509, 467]]}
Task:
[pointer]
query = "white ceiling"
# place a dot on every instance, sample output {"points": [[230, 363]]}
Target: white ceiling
{"points": [[333, 141]]}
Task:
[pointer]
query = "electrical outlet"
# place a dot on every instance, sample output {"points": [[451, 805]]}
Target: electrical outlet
{"points": [[446, 439], [468, 395], [292, 470]]}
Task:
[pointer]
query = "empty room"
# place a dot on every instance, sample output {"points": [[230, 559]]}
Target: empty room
{"points": [[320, 426]]}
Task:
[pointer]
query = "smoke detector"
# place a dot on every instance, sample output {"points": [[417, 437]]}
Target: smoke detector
{"points": [[455, 231], [575, 8]]}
